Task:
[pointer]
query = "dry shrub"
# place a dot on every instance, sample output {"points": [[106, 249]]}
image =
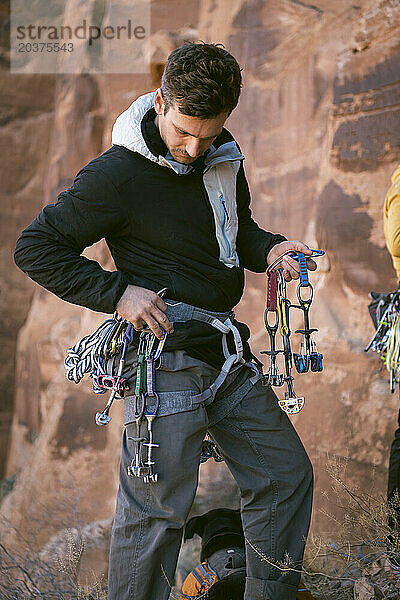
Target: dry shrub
{"points": [[359, 561], [29, 574]]}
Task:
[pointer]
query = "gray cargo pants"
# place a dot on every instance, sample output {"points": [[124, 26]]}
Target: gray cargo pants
{"points": [[265, 456]]}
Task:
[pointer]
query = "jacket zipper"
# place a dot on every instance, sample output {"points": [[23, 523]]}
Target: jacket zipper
{"points": [[225, 218]]}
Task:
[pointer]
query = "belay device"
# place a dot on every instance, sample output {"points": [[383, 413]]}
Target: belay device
{"points": [[308, 356]]}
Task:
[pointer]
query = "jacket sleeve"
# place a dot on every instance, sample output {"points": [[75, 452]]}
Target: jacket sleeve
{"points": [[391, 221], [49, 249], [252, 242]]}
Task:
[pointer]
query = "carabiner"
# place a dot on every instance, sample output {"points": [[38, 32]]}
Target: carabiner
{"points": [[272, 329], [111, 382], [305, 303], [160, 346]]}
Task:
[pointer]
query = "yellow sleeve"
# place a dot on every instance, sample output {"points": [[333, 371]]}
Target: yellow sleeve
{"points": [[391, 221]]}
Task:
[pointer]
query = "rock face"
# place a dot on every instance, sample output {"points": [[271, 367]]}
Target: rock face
{"points": [[26, 121], [319, 124]]}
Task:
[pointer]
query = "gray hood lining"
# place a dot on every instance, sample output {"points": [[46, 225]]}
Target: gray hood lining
{"points": [[127, 132]]}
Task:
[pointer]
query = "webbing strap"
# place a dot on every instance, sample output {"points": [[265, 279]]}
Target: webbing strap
{"points": [[218, 323], [303, 270], [150, 368], [182, 312], [209, 393], [228, 367], [272, 291], [236, 338]]}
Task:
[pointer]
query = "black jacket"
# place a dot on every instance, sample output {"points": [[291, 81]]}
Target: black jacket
{"points": [[158, 225]]}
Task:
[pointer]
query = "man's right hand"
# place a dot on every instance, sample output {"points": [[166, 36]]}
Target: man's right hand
{"points": [[143, 307]]}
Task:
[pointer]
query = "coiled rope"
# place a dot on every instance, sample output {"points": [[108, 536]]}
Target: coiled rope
{"points": [[89, 355]]}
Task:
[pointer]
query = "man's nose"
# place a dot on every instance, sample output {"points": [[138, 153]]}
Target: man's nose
{"points": [[193, 147]]}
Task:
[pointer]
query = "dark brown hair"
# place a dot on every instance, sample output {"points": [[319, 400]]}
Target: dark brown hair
{"points": [[202, 80]]}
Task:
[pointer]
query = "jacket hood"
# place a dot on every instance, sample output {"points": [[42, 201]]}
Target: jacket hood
{"points": [[127, 132]]}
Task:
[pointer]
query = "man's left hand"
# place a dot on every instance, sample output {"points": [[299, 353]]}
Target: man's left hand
{"points": [[290, 267]]}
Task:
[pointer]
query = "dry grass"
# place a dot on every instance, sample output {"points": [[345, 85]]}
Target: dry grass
{"points": [[27, 574], [356, 563]]}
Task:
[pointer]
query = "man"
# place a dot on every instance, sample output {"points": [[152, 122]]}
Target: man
{"points": [[391, 224], [171, 199], [391, 221]]}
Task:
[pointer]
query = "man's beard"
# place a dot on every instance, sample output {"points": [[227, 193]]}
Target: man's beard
{"points": [[182, 154]]}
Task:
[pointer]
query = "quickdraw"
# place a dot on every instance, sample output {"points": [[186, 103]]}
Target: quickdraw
{"points": [[98, 353], [118, 383], [146, 403], [93, 355], [279, 304], [385, 312]]}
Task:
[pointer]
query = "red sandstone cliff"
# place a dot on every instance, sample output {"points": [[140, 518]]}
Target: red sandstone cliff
{"points": [[319, 123]]}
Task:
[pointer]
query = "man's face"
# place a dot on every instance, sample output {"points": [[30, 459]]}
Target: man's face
{"points": [[186, 137]]}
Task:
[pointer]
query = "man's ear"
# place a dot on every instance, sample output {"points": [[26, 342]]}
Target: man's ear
{"points": [[159, 102], [194, 525]]}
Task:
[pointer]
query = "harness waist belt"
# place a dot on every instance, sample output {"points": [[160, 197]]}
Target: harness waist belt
{"points": [[180, 312]]}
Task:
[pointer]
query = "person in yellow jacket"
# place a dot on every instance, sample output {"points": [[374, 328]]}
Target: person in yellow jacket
{"points": [[391, 224], [391, 220]]}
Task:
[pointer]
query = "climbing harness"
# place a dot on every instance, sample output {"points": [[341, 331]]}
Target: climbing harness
{"points": [[279, 304], [102, 354], [385, 313], [180, 312]]}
